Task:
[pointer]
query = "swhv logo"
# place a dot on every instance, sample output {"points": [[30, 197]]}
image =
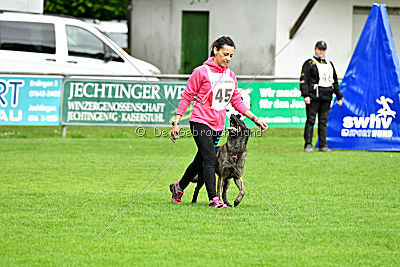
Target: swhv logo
{"points": [[376, 125], [385, 110]]}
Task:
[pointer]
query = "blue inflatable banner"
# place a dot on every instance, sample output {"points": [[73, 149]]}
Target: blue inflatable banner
{"points": [[370, 116], [30, 101]]}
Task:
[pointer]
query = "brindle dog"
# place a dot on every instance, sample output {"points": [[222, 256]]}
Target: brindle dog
{"points": [[230, 161]]}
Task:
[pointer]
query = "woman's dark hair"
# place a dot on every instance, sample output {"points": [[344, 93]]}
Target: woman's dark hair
{"points": [[219, 43]]}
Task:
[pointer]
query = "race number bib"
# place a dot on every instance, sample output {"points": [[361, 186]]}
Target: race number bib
{"points": [[222, 88], [246, 100], [325, 72]]}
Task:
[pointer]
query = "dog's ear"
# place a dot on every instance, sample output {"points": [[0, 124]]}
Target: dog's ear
{"points": [[238, 116]]}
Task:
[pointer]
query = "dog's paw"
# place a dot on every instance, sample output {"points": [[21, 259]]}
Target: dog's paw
{"points": [[236, 203], [228, 204]]}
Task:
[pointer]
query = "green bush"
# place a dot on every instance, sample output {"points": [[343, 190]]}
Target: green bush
{"points": [[96, 9]]}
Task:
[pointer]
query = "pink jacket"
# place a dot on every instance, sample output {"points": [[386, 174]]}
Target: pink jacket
{"points": [[199, 84]]}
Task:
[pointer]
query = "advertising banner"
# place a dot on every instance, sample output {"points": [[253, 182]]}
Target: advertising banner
{"points": [[280, 105], [369, 118], [127, 103], [108, 102], [30, 101]]}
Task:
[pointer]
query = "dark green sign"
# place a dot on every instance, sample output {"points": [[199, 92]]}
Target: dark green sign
{"points": [[95, 102], [280, 105], [121, 103]]}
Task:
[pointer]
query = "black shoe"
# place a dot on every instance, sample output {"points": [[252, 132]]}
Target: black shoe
{"points": [[325, 149], [308, 148]]}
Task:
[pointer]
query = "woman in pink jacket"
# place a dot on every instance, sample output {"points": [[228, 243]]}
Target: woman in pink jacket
{"points": [[214, 86]]}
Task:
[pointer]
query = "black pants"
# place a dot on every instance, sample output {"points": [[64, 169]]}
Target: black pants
{"points": [[205, 161], [322, 109]]}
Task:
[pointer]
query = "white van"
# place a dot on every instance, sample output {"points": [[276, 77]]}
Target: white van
{"points": [[51, 44], [117, 30]]}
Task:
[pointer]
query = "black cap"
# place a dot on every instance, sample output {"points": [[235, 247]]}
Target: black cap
{"points": [[321, 45]]}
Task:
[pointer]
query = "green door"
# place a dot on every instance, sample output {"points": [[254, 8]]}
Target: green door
{"points": [[194, 49]]}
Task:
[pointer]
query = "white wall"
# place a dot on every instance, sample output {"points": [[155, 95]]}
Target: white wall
{"points": [[34, 6], [359, 22], [260, 28], [330, 21], [156, 31]]}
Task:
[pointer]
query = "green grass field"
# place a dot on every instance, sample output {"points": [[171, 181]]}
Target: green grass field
{"points": [[57, 194]]}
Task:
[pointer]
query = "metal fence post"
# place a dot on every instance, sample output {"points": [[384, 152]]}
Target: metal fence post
{"points": [[63, 131]]}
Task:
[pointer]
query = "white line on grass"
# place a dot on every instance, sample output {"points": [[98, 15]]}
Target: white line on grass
{"points": [[133, 200]]}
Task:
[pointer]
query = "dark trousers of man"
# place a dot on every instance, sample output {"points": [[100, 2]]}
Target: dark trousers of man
{"points": [[206, 140], [322, 109]]}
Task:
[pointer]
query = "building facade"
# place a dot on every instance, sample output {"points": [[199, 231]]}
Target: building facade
{"points": [[175, 35], [32, 6]]}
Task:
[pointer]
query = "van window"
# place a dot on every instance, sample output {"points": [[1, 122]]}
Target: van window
{"points": [[82, 43], [27, 37]]}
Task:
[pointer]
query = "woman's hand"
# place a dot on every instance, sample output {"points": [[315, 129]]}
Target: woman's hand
{"points": [[340, 102], [175, 128], [174, 133], [262, 125], [256, 120]]}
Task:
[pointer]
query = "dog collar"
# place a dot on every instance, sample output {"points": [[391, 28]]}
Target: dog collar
{"points": [[234, 155]]}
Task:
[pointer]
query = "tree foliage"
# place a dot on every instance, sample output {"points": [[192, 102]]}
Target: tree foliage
{"points": [[96, 9]]}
